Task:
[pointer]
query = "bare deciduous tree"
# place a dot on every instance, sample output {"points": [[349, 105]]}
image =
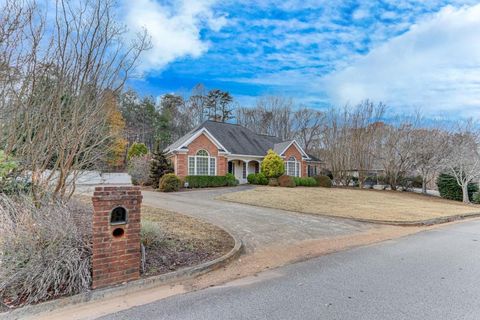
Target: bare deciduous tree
{"points": [[429, 149], [365, 123], [463, 156], [53, 105], [308, 126]]}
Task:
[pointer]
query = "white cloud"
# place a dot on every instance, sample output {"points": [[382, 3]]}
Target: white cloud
{"points": [[435, 65], [174, 28]]}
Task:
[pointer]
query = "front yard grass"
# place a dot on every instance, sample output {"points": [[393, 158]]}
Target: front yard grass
{"points": [[385, 206]]}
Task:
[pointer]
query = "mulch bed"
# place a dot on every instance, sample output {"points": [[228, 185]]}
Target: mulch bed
{"points": [[188, 242]]}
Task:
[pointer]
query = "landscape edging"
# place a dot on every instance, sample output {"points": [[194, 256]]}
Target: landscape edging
{"points": [[129, 287]]}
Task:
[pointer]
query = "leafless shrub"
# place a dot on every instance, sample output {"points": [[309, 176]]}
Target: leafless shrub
{"points": [[139, 170], [44, 251]]}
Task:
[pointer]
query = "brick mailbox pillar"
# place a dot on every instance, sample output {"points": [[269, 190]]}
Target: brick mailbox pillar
{"points": [[116, 235]]}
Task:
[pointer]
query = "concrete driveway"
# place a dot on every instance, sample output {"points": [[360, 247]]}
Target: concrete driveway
{"points": [[256, 226]]}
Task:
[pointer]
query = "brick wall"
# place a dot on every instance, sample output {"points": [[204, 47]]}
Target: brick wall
{"points": [[116, 259], [293, 151], [180, 160]]}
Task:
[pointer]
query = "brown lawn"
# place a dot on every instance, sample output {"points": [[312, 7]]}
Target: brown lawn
{"points": [[391, 206]]}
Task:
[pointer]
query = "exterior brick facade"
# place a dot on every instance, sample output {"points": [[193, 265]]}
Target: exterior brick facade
{"points": [[180, 160], [116, 247], [293, 151]]}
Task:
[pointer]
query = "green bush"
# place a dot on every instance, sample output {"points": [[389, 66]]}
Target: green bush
{"points": [[272, 165], [169, 183], [211, 181], [305, 182], [324, 181], [476, 197], [449, 188], [137, 150], [252, 178], [257, 178], [286, 181], [231, 180]]}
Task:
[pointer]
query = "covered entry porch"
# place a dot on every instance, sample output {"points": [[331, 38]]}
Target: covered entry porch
{"points": [[242, 167]]}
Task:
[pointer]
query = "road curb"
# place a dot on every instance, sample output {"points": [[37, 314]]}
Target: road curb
{"points": [[427, 222], [129, 287]]}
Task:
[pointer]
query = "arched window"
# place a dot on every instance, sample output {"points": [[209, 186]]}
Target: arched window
{"points": [[292, 167], [202, 164]]}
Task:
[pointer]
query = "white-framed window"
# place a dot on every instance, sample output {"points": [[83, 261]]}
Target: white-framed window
{"points": [[202, 164], [292, 167]]}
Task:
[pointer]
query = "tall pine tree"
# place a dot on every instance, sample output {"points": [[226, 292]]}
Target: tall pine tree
{"points": [[159, 166]]}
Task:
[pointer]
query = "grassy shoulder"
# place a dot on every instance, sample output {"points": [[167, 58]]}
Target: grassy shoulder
{"points": [[376, 205], [185, 241]]}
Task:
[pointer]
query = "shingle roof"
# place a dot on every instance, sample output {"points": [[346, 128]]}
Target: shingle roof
{"points": [[235, 138]]}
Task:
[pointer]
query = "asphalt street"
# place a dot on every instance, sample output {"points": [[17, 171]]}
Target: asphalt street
{"points": [[431, 275]]}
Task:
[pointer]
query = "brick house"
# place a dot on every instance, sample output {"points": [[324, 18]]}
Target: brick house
{"points": [[217, 148]]}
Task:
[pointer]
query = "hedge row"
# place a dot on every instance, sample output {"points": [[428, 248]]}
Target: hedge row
{"points": [[449, 188], [305, 182], [211, 181], [286, 181]]}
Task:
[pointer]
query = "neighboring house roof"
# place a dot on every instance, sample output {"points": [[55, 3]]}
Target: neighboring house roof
{"points": [[235, 139]]}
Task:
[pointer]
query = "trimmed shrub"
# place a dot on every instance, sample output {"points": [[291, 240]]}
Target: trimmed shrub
{"points": [[137, 150], [231, 180], [273, 182], [449, 188], [211, 181], [272, 165], [257, 178], [305, 182], [139, 170], [476, 197], [170, 183], [45, 249], [286, 181], [324, 181], [252, 178]]}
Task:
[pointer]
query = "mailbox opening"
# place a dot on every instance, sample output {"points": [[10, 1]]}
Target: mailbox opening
{"points": [[118, 232], [118, 216]]}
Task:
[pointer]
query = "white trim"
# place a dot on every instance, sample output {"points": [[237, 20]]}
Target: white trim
{"points": [[199, 133], [298, 147], [233, 155], [195, 168], [297, 166]]}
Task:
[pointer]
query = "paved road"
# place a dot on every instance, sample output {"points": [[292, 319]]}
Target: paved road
{"points": [[257, 227], [430, 275]]}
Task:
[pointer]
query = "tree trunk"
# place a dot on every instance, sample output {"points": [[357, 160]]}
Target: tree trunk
{"points": [[424, 185], [465, 193]]}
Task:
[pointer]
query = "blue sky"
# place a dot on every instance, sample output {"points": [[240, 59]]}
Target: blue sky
{"points": [[409, 54]]}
